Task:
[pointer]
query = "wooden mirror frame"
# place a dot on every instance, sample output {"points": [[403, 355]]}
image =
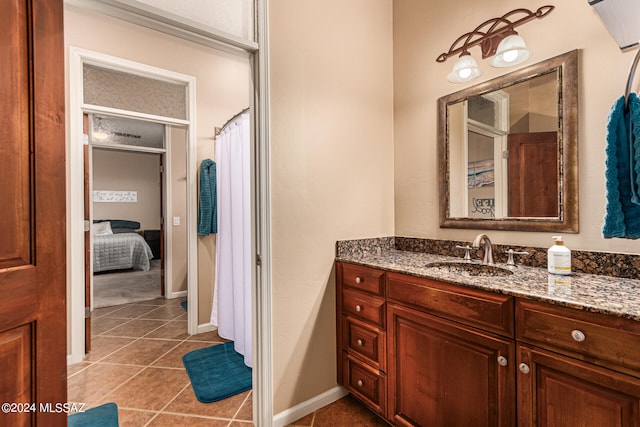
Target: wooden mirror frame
{"points": [[567, 220]]}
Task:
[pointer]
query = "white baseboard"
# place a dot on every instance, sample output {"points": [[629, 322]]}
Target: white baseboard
{"points": [[177, 294], [206, 327], [305, 408], [70, 360]]}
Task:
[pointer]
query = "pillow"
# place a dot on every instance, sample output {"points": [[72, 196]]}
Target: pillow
{"points": [[102, 229], [123, 223]]}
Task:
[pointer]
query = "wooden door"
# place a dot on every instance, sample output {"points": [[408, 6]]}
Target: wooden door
{"points": [[555, 391], [533, 174], [442, 374], [32, 223]]}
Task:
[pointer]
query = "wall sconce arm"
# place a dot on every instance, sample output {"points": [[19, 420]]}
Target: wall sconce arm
{"points": [[490, 38]]}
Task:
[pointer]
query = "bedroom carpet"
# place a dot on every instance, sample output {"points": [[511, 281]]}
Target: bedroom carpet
{"points": [[124, 287]]}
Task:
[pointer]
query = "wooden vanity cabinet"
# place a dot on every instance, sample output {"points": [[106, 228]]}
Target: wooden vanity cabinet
{"points": [[445, 374], [576, 368], [426, 353], [443, 368], [361, 338]]}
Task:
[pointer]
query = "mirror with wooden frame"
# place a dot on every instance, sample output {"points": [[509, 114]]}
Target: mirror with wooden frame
{"points": [[508, 151]]}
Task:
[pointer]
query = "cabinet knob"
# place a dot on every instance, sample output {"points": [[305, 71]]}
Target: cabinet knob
{"points": [[358, 279], [578, 335], [502, 361], [360, 343], [358, 308], [360, 383], [524, 368]]}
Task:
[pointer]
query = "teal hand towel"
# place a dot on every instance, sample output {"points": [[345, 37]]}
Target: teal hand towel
{"points": [[622, 216], [207, 207]]}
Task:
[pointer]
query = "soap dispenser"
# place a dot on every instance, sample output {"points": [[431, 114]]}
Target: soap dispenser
{"points": [[559, 257]]}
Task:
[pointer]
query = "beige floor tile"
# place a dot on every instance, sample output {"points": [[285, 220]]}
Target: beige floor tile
{"points": [[151, 389], [76, 367], [164, 313], [170, 420], [141, 352], [135, 328], [173, 359], [104, 311], [175, 301], [133, 418], [187, 403], [93, 383], [174, 330], [155, 301], [102, 346], [346, 412], [132, 311], [241, 424], [101, 325], [207, 337], [246, 411]]}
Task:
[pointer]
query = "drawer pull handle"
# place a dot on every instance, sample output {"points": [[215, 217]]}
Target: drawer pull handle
{"points": [[359, 280], [502, 361], [578, 335], [524, 368], [358, 308], [360, 343], [360, 383]]}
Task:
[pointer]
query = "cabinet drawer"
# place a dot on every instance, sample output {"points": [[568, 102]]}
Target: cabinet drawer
{"points": [[363, 306], [365, 341], [365, 383], [363, 278], [604, 340], [485, 310]]}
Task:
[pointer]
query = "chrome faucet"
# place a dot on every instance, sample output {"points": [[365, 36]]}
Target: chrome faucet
{"points": [[487, 249]]}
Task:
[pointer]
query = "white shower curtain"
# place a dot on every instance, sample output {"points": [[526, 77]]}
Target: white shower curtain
{"points": [[231, 311]]}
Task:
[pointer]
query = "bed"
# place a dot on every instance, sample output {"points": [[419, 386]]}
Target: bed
{"points": [[116, 246]]}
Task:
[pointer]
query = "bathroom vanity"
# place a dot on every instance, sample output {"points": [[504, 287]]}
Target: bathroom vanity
{"points": [[423, 344]]}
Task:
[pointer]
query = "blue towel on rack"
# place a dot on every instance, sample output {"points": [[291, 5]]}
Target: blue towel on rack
{"points": [[622, 216], [208, 206]]}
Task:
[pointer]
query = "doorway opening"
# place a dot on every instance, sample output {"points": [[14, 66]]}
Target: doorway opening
{"points": [[137, 208], [105, 107]]}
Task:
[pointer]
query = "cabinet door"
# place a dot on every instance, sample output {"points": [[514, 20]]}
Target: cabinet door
{"points": [[555, 390], [442, 374]]}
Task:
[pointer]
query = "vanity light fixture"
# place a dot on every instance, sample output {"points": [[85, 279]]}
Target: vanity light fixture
{"points": [[497, 38]]}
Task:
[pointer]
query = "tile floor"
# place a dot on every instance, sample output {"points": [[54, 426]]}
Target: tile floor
{"points": [[136, 362]]}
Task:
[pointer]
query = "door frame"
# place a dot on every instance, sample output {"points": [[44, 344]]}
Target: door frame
{"points": [[78, 57], [258, 53]]}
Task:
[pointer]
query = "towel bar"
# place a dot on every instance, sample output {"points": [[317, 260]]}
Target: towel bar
{"points": [[632, 73]]}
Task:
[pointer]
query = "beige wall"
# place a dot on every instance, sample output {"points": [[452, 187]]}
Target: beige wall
{"points": [[128, 171], [423, 30], [331, 170], [223, 89]]}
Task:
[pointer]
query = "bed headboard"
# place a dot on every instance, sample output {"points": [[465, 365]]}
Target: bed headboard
{"points": [[121, 225]]}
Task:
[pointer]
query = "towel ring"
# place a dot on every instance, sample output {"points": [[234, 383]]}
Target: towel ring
{"points": [[632, 73]]}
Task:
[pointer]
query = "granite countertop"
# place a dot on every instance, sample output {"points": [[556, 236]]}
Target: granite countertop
{"points": [[603, 294]]}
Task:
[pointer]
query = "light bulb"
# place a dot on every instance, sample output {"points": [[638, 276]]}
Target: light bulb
{"points": [[464, 73], [510, 55]]}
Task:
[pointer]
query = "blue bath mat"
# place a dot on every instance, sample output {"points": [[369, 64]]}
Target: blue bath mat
{"points": [[184, 305], [101, 416], [217, 372]]}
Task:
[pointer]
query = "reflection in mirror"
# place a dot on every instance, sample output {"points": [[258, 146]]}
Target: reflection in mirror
{"points": [[508, 151]]}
